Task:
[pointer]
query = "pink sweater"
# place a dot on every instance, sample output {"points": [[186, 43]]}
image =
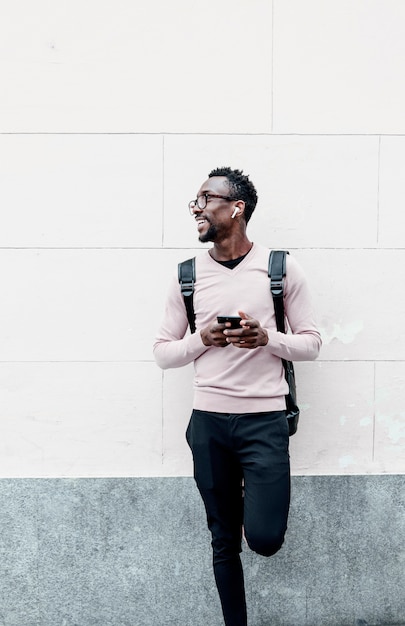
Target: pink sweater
{"points": [[236, 380]]}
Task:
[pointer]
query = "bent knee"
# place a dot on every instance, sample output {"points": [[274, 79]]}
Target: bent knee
{"points": [[265, 546]]}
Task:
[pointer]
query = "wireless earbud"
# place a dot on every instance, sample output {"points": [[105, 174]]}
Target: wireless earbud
{"points": [[234, 213]]}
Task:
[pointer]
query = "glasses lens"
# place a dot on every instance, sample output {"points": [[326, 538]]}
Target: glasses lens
{"points": [[202, 201], [191, 206]]}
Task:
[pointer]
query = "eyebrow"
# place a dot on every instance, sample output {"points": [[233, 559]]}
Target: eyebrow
{"points": [[206, 191]]}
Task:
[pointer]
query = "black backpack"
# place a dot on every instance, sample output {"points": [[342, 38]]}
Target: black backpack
{"points": [[276, 272]]}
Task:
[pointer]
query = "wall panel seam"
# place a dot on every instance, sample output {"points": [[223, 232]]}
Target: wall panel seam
{"points": [[374, 412], [163, 192], [134, 361], [378, 190], [272, 69], [169, 248], [213, 134]]}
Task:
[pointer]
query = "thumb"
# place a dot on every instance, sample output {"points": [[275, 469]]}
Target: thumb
{"points": [[244, 315]]}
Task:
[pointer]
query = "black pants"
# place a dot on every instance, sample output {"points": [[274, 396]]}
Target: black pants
{"points": [[242, 470]]}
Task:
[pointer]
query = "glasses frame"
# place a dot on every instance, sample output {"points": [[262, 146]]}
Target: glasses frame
{"points": [[195, 203]]}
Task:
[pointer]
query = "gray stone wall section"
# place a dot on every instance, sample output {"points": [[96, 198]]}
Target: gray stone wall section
{"points": [[135, 552]]}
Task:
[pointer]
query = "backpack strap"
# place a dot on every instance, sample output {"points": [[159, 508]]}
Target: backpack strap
{"points": [[186, 274], [277, 272]]}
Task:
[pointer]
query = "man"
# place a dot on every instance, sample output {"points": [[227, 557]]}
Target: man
{"points": [[238, 431]]}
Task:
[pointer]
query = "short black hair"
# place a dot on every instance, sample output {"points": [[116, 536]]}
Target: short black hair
{"points": [[240, 186]]}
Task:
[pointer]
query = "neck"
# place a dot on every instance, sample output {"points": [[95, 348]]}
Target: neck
{"points": [[229, 250]]}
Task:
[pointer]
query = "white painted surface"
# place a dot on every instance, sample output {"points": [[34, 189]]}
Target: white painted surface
{"points": [[80, 419], [392, 193], [359, 299], [124, 66], [111, 116], [338, 66], [81, 190]]}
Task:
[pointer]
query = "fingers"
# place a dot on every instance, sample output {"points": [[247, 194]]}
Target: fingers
{"points": [[246, 318], [249, 335], [213, 335], [246, 337]]}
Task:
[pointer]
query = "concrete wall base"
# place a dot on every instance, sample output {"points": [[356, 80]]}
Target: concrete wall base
{"points": [[135, 552]]}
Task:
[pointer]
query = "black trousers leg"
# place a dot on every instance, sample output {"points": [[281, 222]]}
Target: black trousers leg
{"points": [[226, 450]]}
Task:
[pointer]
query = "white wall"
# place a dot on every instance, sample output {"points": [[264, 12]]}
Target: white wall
{"points": [[111, 115]]}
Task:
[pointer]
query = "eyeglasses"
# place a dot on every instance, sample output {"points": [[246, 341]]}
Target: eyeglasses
{"points": [[201, 201]]}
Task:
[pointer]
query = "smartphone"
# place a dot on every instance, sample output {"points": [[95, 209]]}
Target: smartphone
{"points": [[233, 319]]}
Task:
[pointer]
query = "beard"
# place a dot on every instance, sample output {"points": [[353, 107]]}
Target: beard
{"points": [[210, 235]]}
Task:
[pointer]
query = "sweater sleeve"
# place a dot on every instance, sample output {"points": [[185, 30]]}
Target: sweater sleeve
{"points": [[304, 341], [173, 346]]}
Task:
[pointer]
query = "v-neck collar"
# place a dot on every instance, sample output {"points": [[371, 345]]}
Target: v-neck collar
{"points": [[240, 261]]}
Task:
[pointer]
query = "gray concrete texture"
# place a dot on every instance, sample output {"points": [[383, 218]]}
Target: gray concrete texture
{"points": [[136, 552]]}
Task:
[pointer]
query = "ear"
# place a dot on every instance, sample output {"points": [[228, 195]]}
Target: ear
{"points": [[239, 208]]}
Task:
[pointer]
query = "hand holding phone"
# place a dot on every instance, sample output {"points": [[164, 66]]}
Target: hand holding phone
{"points": [[234, 320]]}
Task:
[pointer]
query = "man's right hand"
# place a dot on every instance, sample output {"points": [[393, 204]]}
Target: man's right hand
{"points": [[213, 335]]}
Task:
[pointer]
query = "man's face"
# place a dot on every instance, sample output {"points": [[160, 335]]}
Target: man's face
{"points": [[214, 221]]}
